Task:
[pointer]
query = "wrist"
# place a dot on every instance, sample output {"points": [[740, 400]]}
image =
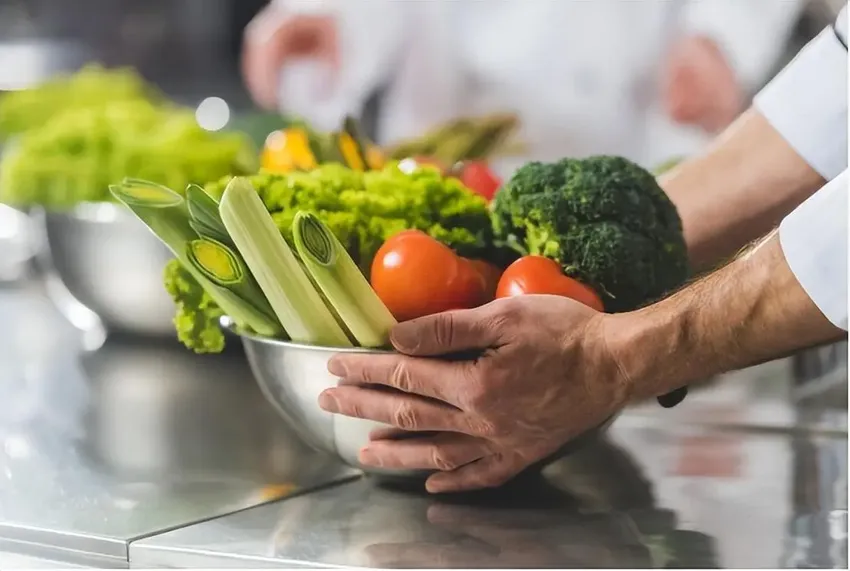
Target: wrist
{"points": [[647, 346]]}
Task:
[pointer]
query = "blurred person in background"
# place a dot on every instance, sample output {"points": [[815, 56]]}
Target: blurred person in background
{"points": [[648, 80]]}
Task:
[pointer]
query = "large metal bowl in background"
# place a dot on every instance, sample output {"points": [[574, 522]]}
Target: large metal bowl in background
{"points": [[104, 270], [291, 376]]}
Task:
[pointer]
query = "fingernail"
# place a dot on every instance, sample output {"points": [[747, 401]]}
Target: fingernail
{"points": [[328, 402], [433, 485], [405, 337], [368, 457], [336, 366]]}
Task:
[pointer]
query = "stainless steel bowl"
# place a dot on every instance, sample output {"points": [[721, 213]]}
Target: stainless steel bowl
{"points": [[291, 376], [103, 261]]}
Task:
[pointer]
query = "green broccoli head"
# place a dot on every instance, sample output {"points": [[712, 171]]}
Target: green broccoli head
{"points": [[604, 219]]}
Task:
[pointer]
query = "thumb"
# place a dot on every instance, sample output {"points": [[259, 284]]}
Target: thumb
{"points": [[447, 333]]}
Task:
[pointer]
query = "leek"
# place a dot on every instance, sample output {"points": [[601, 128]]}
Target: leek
{"points": [[204, 217], [342, 282], [225, 268], [166, 214], [296, 302]]}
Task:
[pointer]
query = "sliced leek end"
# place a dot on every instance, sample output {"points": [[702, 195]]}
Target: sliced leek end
{"points": [[215, 261], [313, 239], [341, 281]]}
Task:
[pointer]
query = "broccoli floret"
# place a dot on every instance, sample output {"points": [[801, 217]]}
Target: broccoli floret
{"points": [[604, 219]]}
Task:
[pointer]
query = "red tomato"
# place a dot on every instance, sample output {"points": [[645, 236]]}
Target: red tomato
{"points": [[490, 274], [415, 275], [539, 275], [478, 177]]}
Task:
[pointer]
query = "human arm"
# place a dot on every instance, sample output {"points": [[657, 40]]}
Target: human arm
{"points": [[770, 160], [787, 293]]}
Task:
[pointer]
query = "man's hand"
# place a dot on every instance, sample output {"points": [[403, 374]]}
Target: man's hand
{"points": [[700, 88], [275, 38], [543, 373]]}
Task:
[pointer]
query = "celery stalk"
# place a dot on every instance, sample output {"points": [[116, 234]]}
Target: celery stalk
{"points": [[166, 214], [342, 282], [296, 302]]}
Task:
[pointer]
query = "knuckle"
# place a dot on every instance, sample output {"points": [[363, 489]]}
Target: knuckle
{"points": [[400, 377], [442, 461], [510, 312], [483, 427], [405, 417], [444, 330]]}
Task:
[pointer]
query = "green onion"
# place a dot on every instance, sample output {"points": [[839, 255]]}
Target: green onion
{"points": [[342, 282], [296, 302], [165, 212]]}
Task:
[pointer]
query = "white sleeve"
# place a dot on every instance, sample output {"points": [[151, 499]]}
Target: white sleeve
{"points": [[814, 241], [751, 33], [807, 101]]}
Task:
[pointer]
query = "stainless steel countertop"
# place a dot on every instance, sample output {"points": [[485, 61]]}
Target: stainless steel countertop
{"points": [[647, 496], [100, 449], [143, 455]]}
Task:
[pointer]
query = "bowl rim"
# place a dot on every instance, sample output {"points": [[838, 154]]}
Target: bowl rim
{"points": [[92, 211], [229, 325]]}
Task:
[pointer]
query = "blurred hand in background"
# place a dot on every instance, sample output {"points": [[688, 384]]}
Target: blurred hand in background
{"points": [[699, 85], [276, 38]]}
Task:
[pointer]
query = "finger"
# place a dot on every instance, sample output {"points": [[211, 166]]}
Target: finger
{"points": [[449, 332], [489, 472], [400, 410], [432, 378], [445, 451]]}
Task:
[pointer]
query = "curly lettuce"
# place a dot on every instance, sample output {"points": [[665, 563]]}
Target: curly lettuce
{"points": [[196, 318], [75, 156]]}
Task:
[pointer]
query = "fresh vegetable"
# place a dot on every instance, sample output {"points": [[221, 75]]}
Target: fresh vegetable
{"points": [[604, 219], [296, 303], [477, 176], [415, 275], [91, 87], [539, 275], [363, 209], [216, 268], [342, 282], [76, 155], [490, 274], [360, 209], [460, 139], [298, 148]]}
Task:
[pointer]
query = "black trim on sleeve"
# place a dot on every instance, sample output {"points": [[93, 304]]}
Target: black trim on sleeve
{"points": [[838, 36], [841, 34]]}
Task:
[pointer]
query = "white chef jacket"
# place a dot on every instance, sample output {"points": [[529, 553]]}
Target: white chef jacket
{"points": [[807, 104], [583, 76]]}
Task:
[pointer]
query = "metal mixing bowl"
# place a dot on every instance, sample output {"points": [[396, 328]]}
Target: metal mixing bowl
{"points": [[105, 266], [292, 376]]}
